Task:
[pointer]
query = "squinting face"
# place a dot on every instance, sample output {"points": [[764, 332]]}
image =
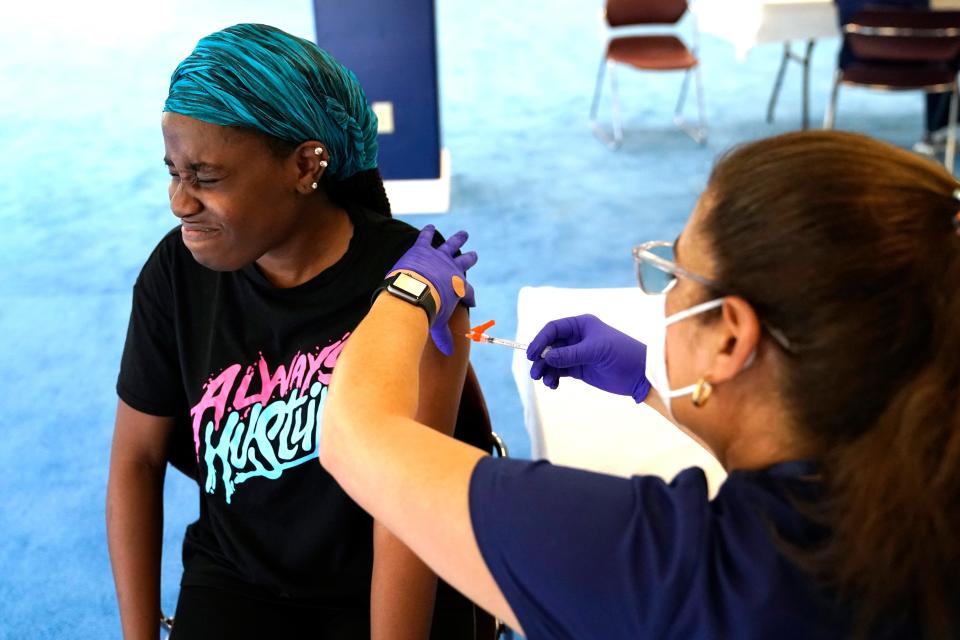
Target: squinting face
{"points": [[235, 200]]}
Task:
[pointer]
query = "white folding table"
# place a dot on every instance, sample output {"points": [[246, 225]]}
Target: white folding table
{"points": [[747, 23]]}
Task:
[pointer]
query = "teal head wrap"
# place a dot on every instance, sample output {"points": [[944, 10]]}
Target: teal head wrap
{"points": [[261, 78]]}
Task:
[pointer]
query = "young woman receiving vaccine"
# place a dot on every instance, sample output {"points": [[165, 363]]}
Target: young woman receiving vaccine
{"points": [[238, 318]]}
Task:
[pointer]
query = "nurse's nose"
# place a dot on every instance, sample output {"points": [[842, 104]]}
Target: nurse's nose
{"points": [[182, 202]]}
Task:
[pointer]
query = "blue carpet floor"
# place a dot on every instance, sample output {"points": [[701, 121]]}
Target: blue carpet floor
{"points": [[83, 200]]}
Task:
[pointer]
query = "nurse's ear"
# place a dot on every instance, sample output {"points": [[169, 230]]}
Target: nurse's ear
{"points": [[739, 334]]}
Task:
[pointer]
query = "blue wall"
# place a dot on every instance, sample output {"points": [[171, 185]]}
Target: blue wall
{"points": [[391, 47]]}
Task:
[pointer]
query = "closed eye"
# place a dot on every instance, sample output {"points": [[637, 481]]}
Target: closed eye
{"points": [[196, 168], [195, 181]]}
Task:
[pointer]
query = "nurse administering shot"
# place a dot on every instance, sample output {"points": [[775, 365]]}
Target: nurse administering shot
{"points": [[810, 342]]}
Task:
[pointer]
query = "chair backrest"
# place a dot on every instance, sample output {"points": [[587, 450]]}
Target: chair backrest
{"points": [[623, 13], [904, 35]]}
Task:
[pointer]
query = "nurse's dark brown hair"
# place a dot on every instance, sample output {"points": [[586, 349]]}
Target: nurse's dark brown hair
{"points": [[847, 245]]}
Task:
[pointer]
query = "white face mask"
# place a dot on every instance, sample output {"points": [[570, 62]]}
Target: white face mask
{"points": [[657, 353]]}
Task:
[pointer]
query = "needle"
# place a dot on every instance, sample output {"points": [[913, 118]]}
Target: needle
{"points": [[491, 340], [477, 335], [482, 337]]}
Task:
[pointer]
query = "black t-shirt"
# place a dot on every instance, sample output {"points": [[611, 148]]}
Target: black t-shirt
{"points": [[244, 366]]}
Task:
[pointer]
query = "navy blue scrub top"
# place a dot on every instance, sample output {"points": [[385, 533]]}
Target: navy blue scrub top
{"points": [[585, 555]]}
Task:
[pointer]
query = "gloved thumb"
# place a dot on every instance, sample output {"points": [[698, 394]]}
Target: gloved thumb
{"points": [[443, 339]]}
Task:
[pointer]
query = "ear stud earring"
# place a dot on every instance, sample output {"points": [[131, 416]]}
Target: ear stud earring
{"points": [[323, 163], [313, 186], [318, 151]]}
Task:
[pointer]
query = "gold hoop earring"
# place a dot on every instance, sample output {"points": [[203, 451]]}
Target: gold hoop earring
{"points": [[701, 393]]}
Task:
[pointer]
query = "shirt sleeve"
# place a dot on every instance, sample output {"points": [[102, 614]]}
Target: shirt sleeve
{"points": [[149, 379], [585, 555]]}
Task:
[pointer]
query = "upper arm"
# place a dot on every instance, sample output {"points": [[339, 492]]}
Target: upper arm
{"points": [[441, 378], [140, 438], [403, 587]]}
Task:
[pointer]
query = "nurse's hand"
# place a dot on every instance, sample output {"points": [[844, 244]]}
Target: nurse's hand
{"points": [[585, 348], [447, 275]]}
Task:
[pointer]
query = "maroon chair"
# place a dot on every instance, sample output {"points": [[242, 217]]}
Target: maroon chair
{"points": [[653, 52], [902, 50]]}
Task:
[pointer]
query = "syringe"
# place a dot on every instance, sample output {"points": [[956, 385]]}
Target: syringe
{"points": [[490, 339], [482, 337]]}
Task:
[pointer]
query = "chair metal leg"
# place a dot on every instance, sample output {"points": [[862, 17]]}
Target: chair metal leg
{"points": [[805, 118], [951, 150], [499, 446], [832, 105], [612, 141], [701, 108], [698, 133], [166, 625], [779, 81], [594, 105], [678, 111], [617, 118], [804, 60]]}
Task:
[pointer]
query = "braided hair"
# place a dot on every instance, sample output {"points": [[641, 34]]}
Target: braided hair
{"points": [[259, 78]]}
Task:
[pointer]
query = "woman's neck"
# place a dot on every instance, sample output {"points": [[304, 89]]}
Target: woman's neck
{"points": [[746, 424], [763, 436], [315, 245]]}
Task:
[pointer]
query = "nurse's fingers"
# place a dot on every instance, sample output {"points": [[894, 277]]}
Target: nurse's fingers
{"points": [[466, 260], [454, 242]]}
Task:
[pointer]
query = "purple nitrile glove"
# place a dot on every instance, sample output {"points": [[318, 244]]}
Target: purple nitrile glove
{"points": [[439, 267], [585, 348]]}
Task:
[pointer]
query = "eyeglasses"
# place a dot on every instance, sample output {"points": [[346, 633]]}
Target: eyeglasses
{"points": [[657, 269], [657, 273]]}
